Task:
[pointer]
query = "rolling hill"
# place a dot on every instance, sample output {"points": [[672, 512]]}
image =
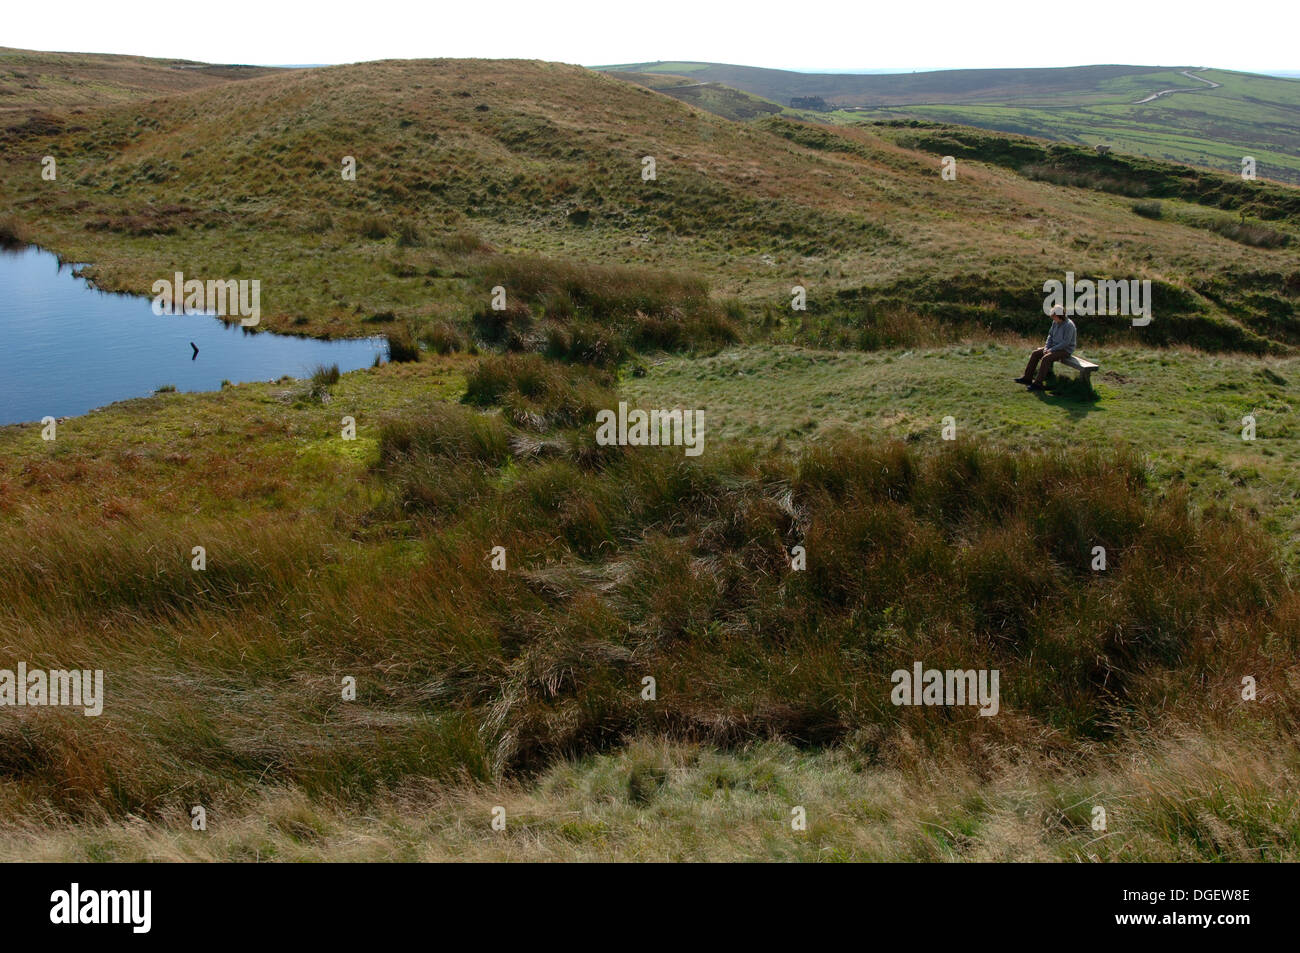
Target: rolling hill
{"points": [[717, 98], [458, 158], [33, 81], [1211, 118], [1036, 86]]}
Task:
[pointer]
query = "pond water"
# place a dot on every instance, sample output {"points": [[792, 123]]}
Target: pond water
{"points": [[66, 348]]}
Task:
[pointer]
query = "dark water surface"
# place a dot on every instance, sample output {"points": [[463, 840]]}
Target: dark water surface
{"points": [[66, 348]]}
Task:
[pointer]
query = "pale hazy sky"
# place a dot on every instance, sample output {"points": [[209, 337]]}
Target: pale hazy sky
{"points": [[809, 34]]}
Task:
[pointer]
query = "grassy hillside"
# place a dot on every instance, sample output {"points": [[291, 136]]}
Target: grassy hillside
{"points": [[458, 161], [716, 98], [1045, 86], [1211, 128], [371, 559], [32, 82], [1162, 113]]}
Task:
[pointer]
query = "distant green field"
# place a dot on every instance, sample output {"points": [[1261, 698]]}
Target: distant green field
{"points": [[1247, 115], [1196, 123]]}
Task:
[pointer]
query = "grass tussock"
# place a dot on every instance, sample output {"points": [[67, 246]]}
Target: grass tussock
{"points": [[403, 348], [1250, 233], [444, 338], [325, 376], [1086, 179], [598, 314], [320, 384], [12, 233], [538, 394]]}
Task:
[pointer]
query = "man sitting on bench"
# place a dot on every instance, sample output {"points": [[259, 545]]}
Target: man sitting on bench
{"points": [[1061, 340]]}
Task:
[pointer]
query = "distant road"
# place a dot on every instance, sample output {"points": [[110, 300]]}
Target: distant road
{"points": [[1166, 92], [1201, 79]]}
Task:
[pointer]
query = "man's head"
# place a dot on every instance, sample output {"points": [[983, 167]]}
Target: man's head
{"points": [[1058, 314]]}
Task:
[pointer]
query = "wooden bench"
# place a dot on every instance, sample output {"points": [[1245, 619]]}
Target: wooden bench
{"points": [[1085, 368]]}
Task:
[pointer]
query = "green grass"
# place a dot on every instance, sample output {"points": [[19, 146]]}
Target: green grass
{"points": [[1183, 410], [1212, 128]]}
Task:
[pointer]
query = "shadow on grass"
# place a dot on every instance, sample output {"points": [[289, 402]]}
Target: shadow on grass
{"points": [[1075, 395]]}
